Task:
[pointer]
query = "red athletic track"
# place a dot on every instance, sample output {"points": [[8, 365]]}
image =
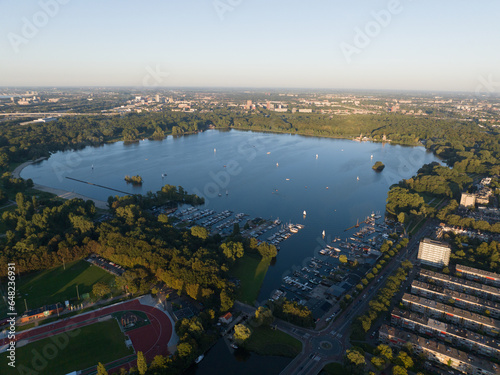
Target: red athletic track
{"points": [[151, 339]]}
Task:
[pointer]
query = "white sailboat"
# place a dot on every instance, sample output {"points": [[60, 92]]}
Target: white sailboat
{"points": [[316, 156], [371, 156], [304, 213], [357, 178], [215, 150], [323, 233], [277, 165]]}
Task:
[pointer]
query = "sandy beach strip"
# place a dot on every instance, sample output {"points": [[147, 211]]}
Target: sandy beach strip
{"points": [[59, 192]]}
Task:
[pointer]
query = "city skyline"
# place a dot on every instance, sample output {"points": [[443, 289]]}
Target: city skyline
{"points": [[380, 45]]}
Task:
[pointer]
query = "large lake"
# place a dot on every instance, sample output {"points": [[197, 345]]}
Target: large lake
{"points": [[266, 175]]}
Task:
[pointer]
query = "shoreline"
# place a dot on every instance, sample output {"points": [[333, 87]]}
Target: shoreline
{"points": [[64, 194]]}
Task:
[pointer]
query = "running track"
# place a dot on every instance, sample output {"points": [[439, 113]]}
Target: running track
{"points": [[151, 339]]}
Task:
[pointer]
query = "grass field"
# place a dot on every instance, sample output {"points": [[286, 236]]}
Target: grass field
{"points": [[266, 341], [334, 369], [75, 350], [59, 284], [251, 270]]}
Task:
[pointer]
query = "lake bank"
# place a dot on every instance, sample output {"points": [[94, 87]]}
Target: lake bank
{"points": [[64, 194], [263, 175]]}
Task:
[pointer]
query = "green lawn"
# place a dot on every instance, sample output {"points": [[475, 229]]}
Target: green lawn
{"points": [[59, 284], [66, 352], [251, 270], [267, 341], [334, 368]]}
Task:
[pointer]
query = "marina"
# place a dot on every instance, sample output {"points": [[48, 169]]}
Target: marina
{"points": [[256, 187]]}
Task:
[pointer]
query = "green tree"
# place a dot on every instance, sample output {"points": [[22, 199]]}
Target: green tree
{"points": [[241, 333], [142, 365], [159, 362], [232, 250], [184, 349], [402, 217], [263, 316], [101, 370], [100, 289], [343, 258], [403, 359], [378, 362], [399, 370], [200, 232], [266, 250], [355, 360], [385, 351], [226, 301]]}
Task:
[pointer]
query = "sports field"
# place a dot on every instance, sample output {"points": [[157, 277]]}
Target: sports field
{"points": [[57, 284], [75, 350]]}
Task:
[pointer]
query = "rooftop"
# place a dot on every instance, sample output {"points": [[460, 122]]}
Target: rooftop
{"points": [[456, 280], [452, 311], [437, 347], [487, 274]]}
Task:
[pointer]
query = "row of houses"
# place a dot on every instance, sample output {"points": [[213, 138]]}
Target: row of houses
{"points": [[452, 314], [442, 308], [462, 300], [446, 332], [486, 277], [461, 285], [438, 352]]}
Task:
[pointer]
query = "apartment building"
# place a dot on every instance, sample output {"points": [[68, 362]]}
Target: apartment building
{"points": [[461, 300], [439, 352], [452, 314], [461, 285], [434, 253], [455, 335], [485, 277]]}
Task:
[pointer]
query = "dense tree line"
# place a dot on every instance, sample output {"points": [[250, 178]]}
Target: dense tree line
{"points": [[293, 312], [382, 300]]}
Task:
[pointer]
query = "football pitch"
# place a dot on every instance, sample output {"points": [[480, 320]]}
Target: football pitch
{"points": [[66, 352], [56, 285]]}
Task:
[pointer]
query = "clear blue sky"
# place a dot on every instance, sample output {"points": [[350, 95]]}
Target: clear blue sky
{"points": [[427, 45]]}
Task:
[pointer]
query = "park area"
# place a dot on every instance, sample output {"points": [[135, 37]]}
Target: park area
{"points": [[57, 285], [250, 270], [76, 350], [266, 341]]}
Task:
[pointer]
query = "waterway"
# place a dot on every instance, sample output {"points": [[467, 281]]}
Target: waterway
{"points": [[265, 175], [219, 360]]}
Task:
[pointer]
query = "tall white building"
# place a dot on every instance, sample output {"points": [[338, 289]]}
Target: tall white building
{"points": [[434, 253]]}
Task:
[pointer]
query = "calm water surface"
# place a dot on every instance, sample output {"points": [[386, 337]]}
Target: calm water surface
{"points": [[265, 175]]}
